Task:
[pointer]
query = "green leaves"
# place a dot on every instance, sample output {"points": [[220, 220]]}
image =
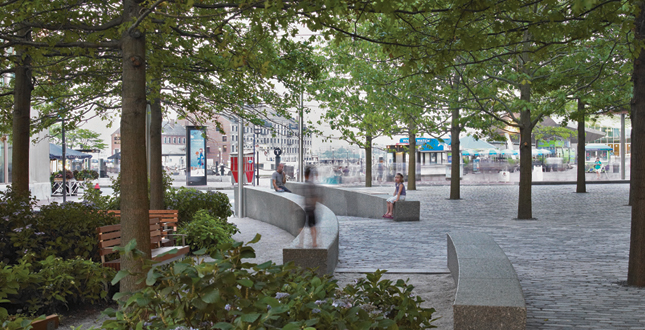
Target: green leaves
{"points": [[194, 292]]}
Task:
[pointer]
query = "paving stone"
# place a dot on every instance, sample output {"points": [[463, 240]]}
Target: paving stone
{"points": [[571, 261]]}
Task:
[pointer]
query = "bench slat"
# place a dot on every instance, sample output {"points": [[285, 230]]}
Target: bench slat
{"points": [[159, 222]]}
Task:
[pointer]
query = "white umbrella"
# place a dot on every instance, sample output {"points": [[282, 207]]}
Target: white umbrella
{"points": [[509, 152], [490, 152]]}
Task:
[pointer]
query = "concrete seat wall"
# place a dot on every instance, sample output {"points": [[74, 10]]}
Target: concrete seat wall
{"points": [[489, 294], [348, 202], [286, 211]]}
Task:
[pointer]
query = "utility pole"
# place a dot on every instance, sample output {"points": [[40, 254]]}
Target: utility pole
{"points": [[240, 169], [301, 141]]}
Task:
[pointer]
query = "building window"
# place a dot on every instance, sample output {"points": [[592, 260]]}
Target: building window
{"points": [[175, 139], [224, 138], [224, 149]]}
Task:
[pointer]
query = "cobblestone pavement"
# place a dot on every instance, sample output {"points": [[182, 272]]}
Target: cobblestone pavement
{"points": [[571, 260]]}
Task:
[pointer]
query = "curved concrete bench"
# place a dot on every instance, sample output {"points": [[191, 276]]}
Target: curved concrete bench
{"points": [[361, 203], [489, 295], [285, 211]]}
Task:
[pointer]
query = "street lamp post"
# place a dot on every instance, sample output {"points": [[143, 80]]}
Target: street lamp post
{"points": [[64, 151], [333, 158]]}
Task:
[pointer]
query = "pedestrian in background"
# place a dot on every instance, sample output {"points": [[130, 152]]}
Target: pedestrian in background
{"points": [[312, 196], [399, 195], [598, 167], [278, 179]]}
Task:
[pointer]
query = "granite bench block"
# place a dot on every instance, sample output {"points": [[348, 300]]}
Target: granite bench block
{"points": [[286, 211], [324, 257], [489, 294], [407, 211]]}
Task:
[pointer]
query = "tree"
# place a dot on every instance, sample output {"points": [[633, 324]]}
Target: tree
{"points": [[351, 107], [209, 29], [636, 267], [77, 138]]}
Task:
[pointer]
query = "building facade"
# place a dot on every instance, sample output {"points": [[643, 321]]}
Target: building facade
{"points": [[115, 142], [276, 132]]}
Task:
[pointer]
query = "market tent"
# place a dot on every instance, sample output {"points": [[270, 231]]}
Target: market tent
{"points": [[469, 142], [117, 155], [56, 152]]}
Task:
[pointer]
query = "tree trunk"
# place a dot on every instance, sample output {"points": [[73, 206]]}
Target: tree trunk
{"points": [[524, 207], [368, 161], [636, 268], [412, 161], [455, 179], [581, 184], [21, 121], [134, 185], [631, 138], [156, 168]]}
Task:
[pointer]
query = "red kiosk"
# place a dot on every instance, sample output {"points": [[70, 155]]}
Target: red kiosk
{"points": [[248, 166]]}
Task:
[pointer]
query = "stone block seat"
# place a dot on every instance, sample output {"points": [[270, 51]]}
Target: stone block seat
{"points": [[361, 202], [489, 295], [406, 211], [286, 211]]}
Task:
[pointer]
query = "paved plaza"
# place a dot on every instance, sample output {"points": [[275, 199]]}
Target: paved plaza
{"points": [[571, 260]]}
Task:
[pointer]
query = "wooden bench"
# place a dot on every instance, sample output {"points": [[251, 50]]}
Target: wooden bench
{"points": [[168, 220], [110, 236], [49, 323]]}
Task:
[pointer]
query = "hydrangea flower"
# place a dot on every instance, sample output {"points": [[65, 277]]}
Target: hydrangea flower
{"points": [[280, 295]]}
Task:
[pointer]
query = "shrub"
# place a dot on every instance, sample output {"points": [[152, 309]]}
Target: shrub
{"points": [[64, 230], [69, 230], [48, 285], [189, 200], [15, 215], [207, 232], [86, 174], [100, 201], [228, 293]]}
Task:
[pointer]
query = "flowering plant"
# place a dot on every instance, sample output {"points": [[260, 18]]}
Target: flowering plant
{"points": [[228, 293]]}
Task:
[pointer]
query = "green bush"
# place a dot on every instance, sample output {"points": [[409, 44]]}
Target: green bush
{"points": [[228, 293], [207, 232], [86, 174], [96, 197], [16, 215], [48, 285], [64, 230], [69, 230], [189, 200]]}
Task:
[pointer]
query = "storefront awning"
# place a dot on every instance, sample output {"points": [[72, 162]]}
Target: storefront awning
{"points": [[56, 152]]}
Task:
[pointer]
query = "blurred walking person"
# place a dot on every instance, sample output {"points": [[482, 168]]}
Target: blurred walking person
{"points": [[312, 196]]}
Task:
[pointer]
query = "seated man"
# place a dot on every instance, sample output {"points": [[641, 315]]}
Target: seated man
{"points": [[278, 179]]}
